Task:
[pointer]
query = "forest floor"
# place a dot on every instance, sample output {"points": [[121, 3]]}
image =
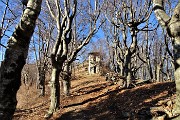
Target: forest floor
{"points": [[93, 98]]}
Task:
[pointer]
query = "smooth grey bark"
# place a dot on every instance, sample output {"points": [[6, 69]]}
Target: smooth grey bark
{"points": [[148, 61], [41, 79], [60, 49], [126, 18], [41, 52], [150, 68], [66, 77], [55, 91], [172, 26], [124, 59], [15, 58], [129, 52], [127, 69], [76, 48], [158, 73]]}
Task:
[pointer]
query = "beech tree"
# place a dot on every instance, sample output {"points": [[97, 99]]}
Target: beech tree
{"points": [[172, 25], [127, 17], [80, 39], [41, 48], [63, 14], [15, 58], [8, 21]]}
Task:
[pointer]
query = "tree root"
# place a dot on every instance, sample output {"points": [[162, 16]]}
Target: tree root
{"points": [[163, 110], [48, 115]]}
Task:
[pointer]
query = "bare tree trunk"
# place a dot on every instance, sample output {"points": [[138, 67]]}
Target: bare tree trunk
{"points": [[66, 76], [167, 68], [41, 80], [144, 72], [67, 86], [15, 58], [128, 77], [127, 70], [177, 74], [150, 69], [72, 53], [60, 49], [55, 91], [158, 73], [113, 61], [129, 54], [172, 25], [121, 69], [148, 56]]}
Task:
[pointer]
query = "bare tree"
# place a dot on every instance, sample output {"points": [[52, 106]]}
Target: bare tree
{"points": [[144, 53], [80, 41], [109, 32], [169, 57], [63, 14], [159, 58], [172, 24], [15, 58], [7, 21], [127, 18], [41, 48]]}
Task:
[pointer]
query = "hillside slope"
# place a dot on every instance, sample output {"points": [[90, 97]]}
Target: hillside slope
{"points": [[94, 98]]}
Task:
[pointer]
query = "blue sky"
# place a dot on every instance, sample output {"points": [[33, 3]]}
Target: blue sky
{"points": [[99, 35]]}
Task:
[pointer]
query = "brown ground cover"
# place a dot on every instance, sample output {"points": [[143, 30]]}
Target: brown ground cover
{"points": [[93, 98]]}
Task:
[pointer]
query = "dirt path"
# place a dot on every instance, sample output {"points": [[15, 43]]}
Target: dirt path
{"points": [[93, 98]]}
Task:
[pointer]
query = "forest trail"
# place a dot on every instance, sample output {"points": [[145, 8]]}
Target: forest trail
{"points": [[93, 98]]}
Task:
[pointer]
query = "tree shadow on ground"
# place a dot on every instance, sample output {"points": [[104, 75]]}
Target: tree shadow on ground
{"points": [[19, 112], [129, 104], [83, 83], [91, 89]]}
